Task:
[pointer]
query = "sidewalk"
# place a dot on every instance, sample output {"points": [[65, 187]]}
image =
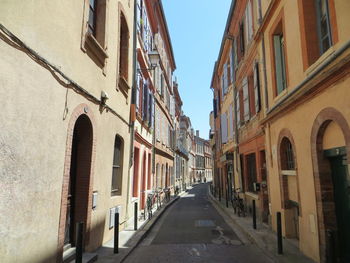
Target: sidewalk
{"points": [[263, 236], [129, 238]]}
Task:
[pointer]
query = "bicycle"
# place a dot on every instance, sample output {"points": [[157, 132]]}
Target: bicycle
{"points": [[237, 203]]}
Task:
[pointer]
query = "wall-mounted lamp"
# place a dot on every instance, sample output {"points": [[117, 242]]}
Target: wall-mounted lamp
{"points": [[104, 97]]}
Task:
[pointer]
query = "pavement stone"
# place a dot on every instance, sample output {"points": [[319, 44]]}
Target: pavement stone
{"points": [[129, 238], [264, 237]]}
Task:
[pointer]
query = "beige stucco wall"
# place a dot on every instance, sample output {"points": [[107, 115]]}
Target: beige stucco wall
{"points": [[34, 125], [300, 125]]}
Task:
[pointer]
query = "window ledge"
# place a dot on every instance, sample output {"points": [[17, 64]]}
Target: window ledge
{"points": [[123, 86], [319, 61], [92, 45], [289, 172]]}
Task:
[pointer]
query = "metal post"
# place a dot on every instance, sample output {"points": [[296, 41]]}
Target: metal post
{"points": [[279, 234], [330, 246], [116, 233], [226, 197], [254, 215], [79, 244], [135, 216], [219, 194]]}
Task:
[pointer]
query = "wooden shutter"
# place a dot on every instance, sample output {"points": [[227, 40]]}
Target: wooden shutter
{"points": [[279, 63], [249, 16], [138, 15], [241, 38], [232, 63], [230, 122], [215, 108], [251, 95], [246, 110], [257, 87], [223, 128], [138, 87], [145, 101], [150, 103], [225, 78], [238, 109]]}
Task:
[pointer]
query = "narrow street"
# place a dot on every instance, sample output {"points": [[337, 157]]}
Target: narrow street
{"points": [[192, 230]]}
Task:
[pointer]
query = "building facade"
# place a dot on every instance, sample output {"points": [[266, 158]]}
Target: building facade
{"points": [[65, 124], [290, 74]]}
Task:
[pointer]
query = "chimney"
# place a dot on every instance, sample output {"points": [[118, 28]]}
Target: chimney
{"points": [[197, 133]]}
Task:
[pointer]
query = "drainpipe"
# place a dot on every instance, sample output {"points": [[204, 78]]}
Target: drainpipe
{"points": [[133, 100], [264, 60]]}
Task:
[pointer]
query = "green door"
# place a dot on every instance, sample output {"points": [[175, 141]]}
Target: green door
{"points": [[341, 183]]}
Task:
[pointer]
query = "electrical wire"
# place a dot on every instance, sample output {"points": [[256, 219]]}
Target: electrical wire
{"points": [[62, 78]]}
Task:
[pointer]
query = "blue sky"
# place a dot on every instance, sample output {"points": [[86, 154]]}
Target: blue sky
{"points": [[196, 28]]}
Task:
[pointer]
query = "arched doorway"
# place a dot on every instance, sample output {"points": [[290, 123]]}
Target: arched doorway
{"points": [[289, 185], [77, 199], [330, 140]]}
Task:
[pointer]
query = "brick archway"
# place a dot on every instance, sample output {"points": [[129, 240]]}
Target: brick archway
{"points": [[286, 134], [81, 111], [322, 172]]}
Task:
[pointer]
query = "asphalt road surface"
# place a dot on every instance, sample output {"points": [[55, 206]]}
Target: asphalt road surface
{"points": [[192, 230]]}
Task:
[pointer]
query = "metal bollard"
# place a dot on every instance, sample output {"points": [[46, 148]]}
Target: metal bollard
{"points": [[116, 233], [279, 234], [254, 215], [331, 258], [226, 198], [135, 216], [79, 244]]}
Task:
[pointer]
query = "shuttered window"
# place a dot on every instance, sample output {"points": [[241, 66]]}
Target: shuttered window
{"points": [[230, 121], [249, 22], [257, 87], [238, 109], [251, 95], [225, 79], [232, 61], [241, 38], [280, 66], [117, 171], [145, 101], [223, 128], [245, 89], [138, 88], [215, 108]]}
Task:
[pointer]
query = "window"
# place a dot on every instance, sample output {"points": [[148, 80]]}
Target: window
{"points": [[94, 37], [287, 155], [92, 17], [323, 25], [280, 66], [123, 49], [117, 172], [241, 38]]}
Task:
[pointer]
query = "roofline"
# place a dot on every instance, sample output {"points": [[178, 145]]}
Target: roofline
{"points": [[167, 32], [227, 27]]}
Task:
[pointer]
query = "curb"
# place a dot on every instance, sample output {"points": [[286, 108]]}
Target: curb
{"points": [[146, 228], [242, 229]]}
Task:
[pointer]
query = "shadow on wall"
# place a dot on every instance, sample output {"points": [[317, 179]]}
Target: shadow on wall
{"points": [[50, 255]]}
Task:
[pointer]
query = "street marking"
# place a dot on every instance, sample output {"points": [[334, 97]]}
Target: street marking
{"points": [[204, 223], [222, 239]]}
